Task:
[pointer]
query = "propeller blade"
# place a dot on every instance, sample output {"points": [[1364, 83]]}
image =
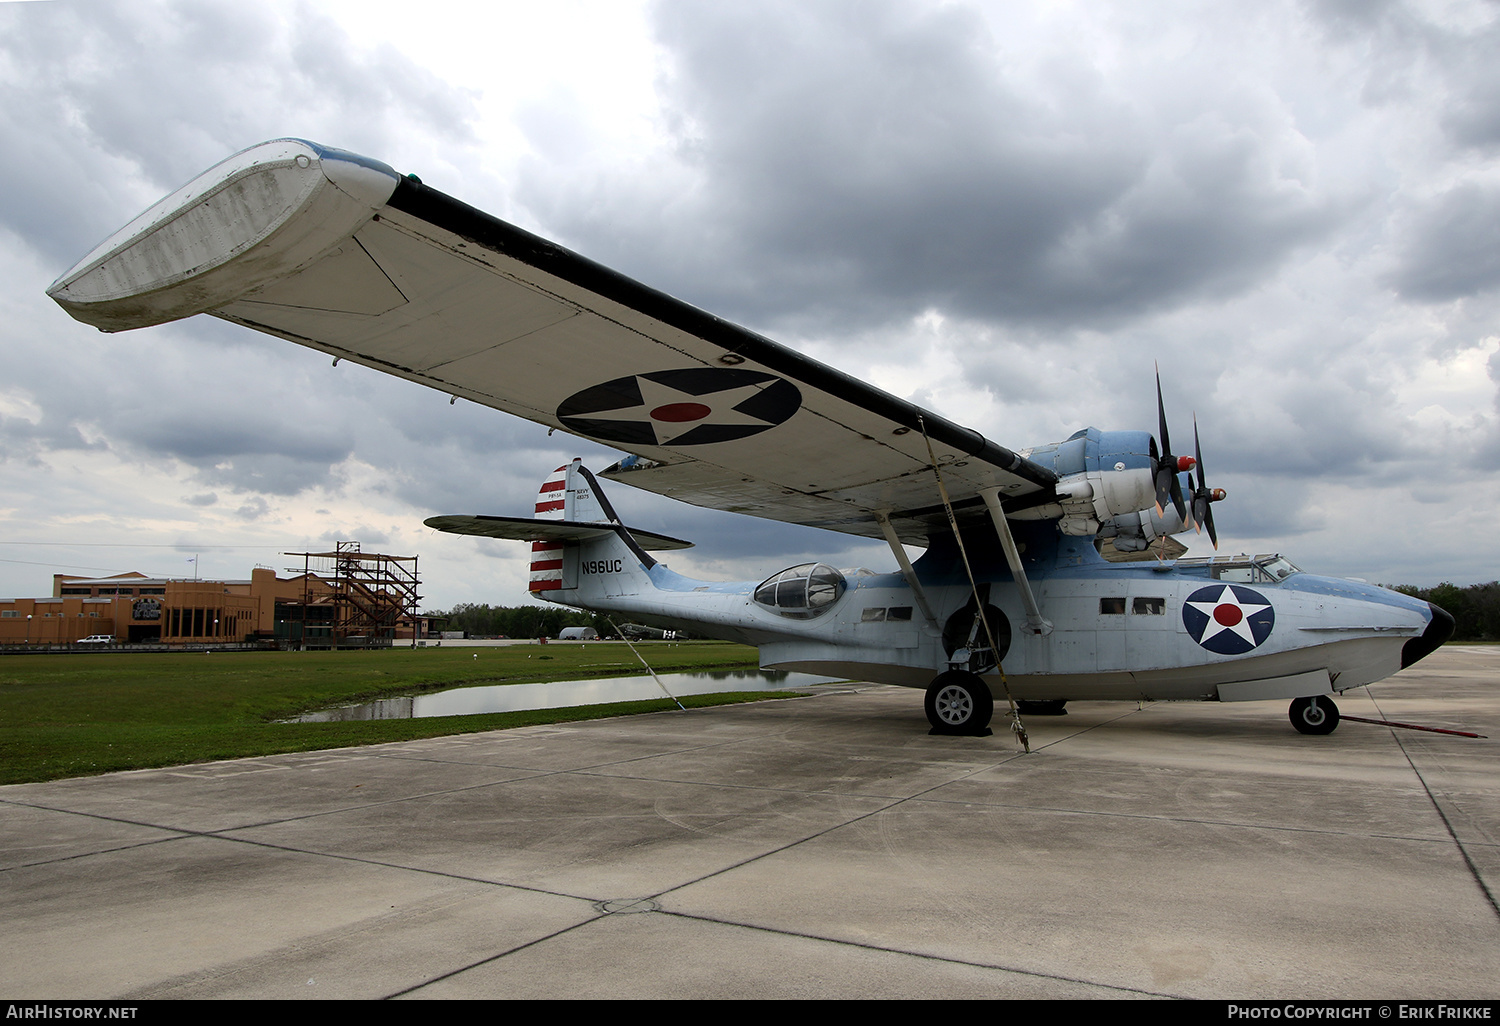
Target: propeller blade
{"points": [[1198, 451], [1168, 486], [1161, 415], [1203, 497]]}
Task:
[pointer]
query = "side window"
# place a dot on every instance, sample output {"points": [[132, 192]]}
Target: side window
{"points": [[1112, 607], [1151, 606], [1237, 574]]}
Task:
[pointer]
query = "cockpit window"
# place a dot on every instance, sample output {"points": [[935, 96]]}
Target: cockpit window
{"points": [[1260, 570], [1263, 569], [1277, 568], [802, 592]]}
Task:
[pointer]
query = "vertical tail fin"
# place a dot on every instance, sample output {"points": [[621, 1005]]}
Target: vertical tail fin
{"points": [[570, 494], [580, 551]]}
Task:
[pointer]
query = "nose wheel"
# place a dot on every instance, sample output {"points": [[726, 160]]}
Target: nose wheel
{"points": [[959, 702], [1314, 715]]}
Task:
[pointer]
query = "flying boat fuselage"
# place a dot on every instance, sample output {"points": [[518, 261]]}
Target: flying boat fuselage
{"points": [[1225, 629]]}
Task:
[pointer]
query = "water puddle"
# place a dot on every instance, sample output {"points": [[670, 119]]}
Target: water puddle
{"points": [[563, 694]]}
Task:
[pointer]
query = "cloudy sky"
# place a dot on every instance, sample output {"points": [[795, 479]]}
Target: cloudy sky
{"points": [[1005, 212]]}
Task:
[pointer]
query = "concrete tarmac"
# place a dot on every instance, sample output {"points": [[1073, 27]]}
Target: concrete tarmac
{"points": [[825, 847]]}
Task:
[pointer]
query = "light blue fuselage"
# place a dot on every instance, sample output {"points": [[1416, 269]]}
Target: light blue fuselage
{"points": [[1119, 631]]}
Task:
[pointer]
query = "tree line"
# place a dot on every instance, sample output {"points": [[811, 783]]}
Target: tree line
{"points": [[1475, 609], [486, 621]]}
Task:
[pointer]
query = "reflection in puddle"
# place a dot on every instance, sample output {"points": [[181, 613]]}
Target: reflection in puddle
{"points": [[565, 693]]}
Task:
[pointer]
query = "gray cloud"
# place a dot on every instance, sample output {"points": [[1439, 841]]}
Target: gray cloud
{"points": [[855, 162], [254, 509], [1408, 51], [1451, 248], [114, 105]]}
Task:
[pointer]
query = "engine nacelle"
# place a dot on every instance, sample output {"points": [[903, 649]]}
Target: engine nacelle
{"points": [[1135, 532], [1102, 475]]}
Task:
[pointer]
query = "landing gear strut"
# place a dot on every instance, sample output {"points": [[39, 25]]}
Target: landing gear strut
{"points": [[1314, 715], [959, 702]]}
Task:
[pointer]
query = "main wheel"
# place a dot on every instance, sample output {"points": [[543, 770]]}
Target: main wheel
{"points": [[959, 703], [1314, 715]]}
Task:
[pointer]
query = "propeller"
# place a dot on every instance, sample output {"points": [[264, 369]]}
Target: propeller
{"points": [[1203, 496], [1166, 467]]}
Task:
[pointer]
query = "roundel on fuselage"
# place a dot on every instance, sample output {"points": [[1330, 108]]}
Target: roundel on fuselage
{"points": [[1228, 619], [691, 406]]}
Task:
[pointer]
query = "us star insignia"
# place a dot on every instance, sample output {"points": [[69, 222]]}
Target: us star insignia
{"points": [[1228, 619], [692, 406]]}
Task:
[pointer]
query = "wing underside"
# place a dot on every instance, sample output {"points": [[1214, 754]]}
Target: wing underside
{"points": [[432, 290]]}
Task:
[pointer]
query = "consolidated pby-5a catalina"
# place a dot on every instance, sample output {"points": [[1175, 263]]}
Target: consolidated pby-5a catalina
{"points": [[342, 254]]}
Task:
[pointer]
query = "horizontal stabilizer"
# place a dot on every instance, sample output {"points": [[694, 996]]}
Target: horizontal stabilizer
{"points": [[527, 529]]}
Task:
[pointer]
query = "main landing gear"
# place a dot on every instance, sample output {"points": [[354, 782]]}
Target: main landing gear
{"points": [[1314, 715], [959, 702]]}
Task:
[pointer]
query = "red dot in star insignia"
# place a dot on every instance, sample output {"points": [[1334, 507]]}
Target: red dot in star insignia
{"points": [[680, 413], [1228, 615]]}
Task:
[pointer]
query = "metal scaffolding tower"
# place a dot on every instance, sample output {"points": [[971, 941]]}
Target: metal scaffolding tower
{"points": [[354, 599]]}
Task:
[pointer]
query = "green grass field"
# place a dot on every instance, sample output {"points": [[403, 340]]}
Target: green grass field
{"points": [[74, 715]]}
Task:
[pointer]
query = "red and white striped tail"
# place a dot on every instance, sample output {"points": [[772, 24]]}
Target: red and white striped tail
{"points": [[552, 497], [546, 566], [546, 557]]}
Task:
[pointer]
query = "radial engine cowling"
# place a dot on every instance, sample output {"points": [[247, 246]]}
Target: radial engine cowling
{"points": [[1102, 475]]}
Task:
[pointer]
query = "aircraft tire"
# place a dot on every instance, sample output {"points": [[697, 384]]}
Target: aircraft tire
{"points": [[959, 702], [1314, 715]]}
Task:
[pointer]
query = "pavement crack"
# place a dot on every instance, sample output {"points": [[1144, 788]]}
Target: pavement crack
{"points": [[1437, 806], [844, 942]]}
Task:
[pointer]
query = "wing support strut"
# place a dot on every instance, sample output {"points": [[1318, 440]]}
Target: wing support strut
{"points": [[883, 518], [1035, 622], [979, 618]]}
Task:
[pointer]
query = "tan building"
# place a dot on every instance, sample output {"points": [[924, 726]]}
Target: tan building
{"points": [[341, 607]]}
